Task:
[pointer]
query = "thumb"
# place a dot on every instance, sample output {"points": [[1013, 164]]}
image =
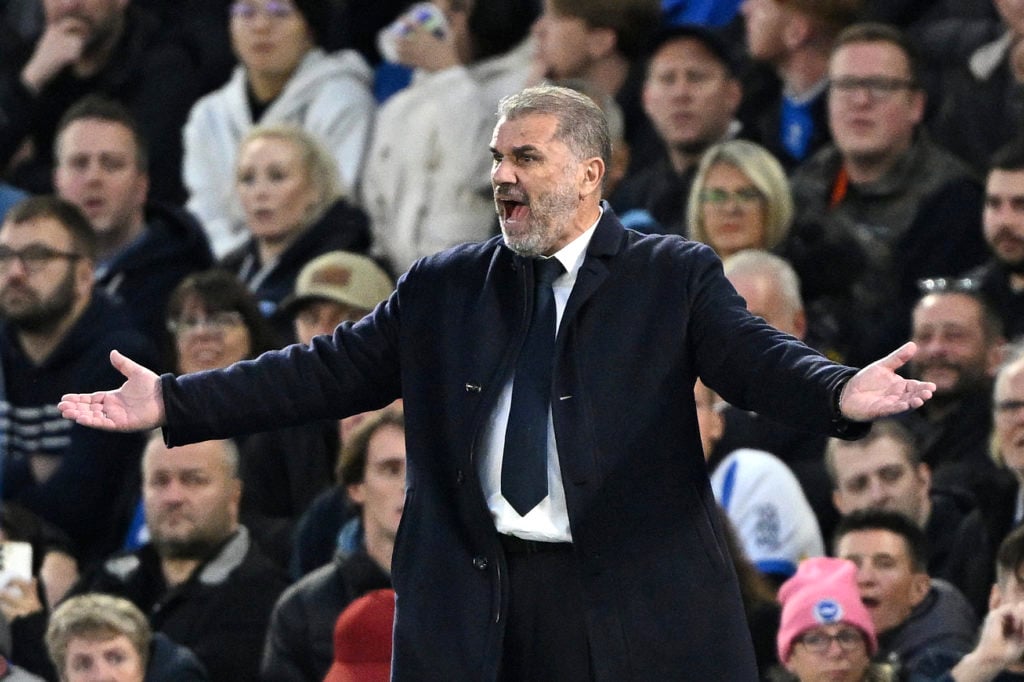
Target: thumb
{"points": [[900, 356], [124, 364]]}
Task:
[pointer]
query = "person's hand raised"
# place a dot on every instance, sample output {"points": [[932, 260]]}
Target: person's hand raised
{"points": [[60, 45], [878, 391], [136, 406]]}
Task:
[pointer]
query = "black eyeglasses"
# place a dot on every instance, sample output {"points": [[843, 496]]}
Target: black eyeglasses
{"points": [[32, 258], [819, 642], [877, 87], [1005, 406], [942, 285]]}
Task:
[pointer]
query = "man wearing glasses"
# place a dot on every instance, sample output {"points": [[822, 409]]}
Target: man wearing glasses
{"points": [[890, 197], [55, 333]]}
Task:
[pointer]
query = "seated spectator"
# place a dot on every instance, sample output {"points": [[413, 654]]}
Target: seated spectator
{"points": [[690, 94], [144, 247], [362, 640], [740, 199], [959, 347], [971, 565], [884, 471], [115, 49], [983, 98], [762, 499], [283, 77], [426, 183], [825, 631], [999, 654], [882, 197], [215, 322], [201, 579], [57, 333], [294, 211], [372, 470], [771, 290], [99, 637], [1001, 279], [911, 611]]}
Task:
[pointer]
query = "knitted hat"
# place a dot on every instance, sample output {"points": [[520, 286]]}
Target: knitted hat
{"points": [[317, 14], [342, 277], [823, 592], [362, 639]]}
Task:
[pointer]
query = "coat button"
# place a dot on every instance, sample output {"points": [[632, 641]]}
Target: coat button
{"points": [[460, 477], [480, 563], [473, 388]]}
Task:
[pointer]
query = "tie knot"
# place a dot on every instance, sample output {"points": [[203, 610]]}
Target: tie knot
{"points": [[547, 270]]}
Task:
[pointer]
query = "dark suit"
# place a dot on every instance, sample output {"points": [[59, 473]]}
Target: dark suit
{"points": [[646, 316]]}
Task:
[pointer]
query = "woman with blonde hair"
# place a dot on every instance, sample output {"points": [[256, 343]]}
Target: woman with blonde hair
{"points": [[294, 211], [740, 199]]}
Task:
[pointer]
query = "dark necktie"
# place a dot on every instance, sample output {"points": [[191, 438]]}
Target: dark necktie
{"points": [[524, 470]]}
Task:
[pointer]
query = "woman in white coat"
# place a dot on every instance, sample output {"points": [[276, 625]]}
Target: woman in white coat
{"points": [[282, 77]]}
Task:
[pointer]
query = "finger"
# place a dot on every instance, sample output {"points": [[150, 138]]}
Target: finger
{"points": [[900, 356], [123, 364]]}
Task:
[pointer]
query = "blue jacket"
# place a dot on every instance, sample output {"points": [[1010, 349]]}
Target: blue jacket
{"points": [[647, 316]]}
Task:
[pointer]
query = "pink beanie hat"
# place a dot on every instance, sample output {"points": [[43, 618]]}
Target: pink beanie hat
{"points": [[823, 591]]}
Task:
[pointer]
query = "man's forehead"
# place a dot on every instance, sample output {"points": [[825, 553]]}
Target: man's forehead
{"points": [[43, 230], [874, 543], [869, 459], [96, 132], [1005, 182]]}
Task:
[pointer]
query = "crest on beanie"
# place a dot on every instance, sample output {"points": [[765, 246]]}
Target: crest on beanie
{"points": [[828, 611]]}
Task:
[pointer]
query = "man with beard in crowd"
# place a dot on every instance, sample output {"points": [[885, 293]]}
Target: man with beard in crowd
{"points": [[55, 333], [960, 343], [1001, 279], [105, 47]]}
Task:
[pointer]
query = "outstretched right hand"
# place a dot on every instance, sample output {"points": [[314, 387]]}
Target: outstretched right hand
{"points": [[137, 406]]}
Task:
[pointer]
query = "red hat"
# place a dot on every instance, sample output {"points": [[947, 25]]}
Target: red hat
{"points": [[823, 591], [362, 639]]}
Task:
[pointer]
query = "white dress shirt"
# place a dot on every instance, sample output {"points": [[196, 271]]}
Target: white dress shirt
{"points": [[549, 520]]}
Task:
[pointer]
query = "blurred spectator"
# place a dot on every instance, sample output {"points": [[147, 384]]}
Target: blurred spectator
{"points": [[283, 78], [825, 632], [795, 38], [959, 347], [294, 211], [9, 196], [691, 95], [771, 290], [704, 12], [761, 498], [426, 183], [372, 470], [109, 48], [983, 98], [603, 42], [739, 200], [95, 637], [911, 611], [144, 248], [56, 333], [1001, 507], [999, 653], [1001, 279], [910, 207], [201, 579], [884, 471], [362, 640]]}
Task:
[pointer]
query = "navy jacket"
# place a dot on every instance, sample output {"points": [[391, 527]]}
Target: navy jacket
{"points": [[647, 316]]}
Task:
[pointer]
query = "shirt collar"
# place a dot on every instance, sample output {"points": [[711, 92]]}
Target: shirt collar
{"points": [[572, 254]]}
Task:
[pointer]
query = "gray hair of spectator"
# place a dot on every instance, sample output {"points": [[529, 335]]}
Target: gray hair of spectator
{"points": [[776, 268], [881, 428], [991, 322], [582, 126], [874, 32], [64, 212], [352, 462], [1012, 359], [321, 168], [100, 108], [94, 617], [764, 172], [229, 453]]}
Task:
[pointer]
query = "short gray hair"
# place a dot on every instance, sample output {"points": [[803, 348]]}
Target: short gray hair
{"points": [[582, 125], [778, 269]]}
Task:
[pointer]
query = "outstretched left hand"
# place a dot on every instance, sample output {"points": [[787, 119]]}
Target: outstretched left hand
{"points": [[878, 391]]}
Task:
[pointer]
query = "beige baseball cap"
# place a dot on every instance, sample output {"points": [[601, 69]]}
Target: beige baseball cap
{"points": [[343, 277]]}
